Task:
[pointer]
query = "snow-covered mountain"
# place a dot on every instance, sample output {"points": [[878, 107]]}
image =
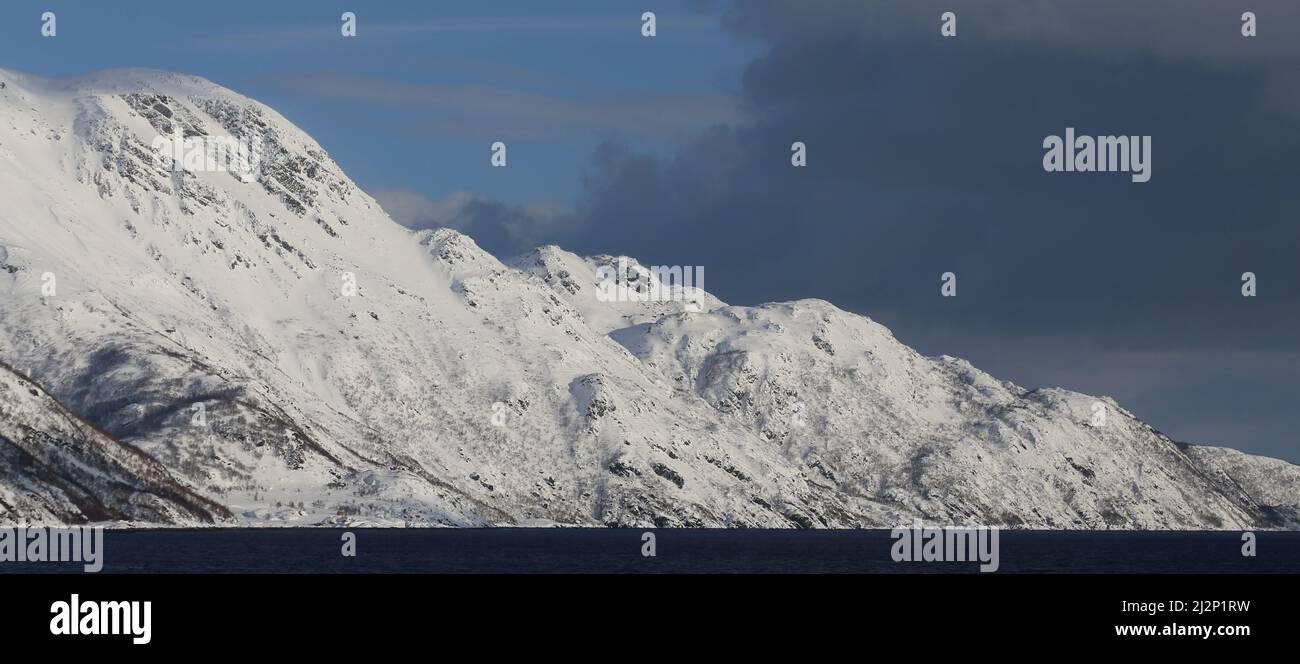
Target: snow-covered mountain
{"points": [[203, 323]]}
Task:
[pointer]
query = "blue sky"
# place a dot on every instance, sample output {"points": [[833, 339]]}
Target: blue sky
{"points": [[924, 157], [455, 76]]}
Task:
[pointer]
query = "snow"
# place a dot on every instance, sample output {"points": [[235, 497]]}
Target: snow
{"points": [[58, 469], [454, 389]]}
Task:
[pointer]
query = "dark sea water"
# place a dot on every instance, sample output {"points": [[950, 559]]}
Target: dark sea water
{"points": [[691, 551]]}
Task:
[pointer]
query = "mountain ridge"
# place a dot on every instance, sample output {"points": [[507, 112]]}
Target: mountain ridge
{"points": [[456, 389]]}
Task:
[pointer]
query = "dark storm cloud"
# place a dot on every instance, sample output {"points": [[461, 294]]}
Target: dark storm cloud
{"points": [[925, 156]]}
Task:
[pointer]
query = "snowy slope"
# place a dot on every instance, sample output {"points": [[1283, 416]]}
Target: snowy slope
{"points": [[204, 320], [56, 469]]}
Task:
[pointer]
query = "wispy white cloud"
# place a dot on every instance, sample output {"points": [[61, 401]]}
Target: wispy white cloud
{"points": [[510, 114]]}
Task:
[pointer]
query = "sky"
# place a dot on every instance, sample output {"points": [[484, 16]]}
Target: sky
{"points": [[924, 157]]}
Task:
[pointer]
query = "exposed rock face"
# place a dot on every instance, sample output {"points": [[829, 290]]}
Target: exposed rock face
{"points": [[57, 469]]}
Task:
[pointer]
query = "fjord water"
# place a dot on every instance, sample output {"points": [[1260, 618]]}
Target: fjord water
{"points": [[578, 551]]}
